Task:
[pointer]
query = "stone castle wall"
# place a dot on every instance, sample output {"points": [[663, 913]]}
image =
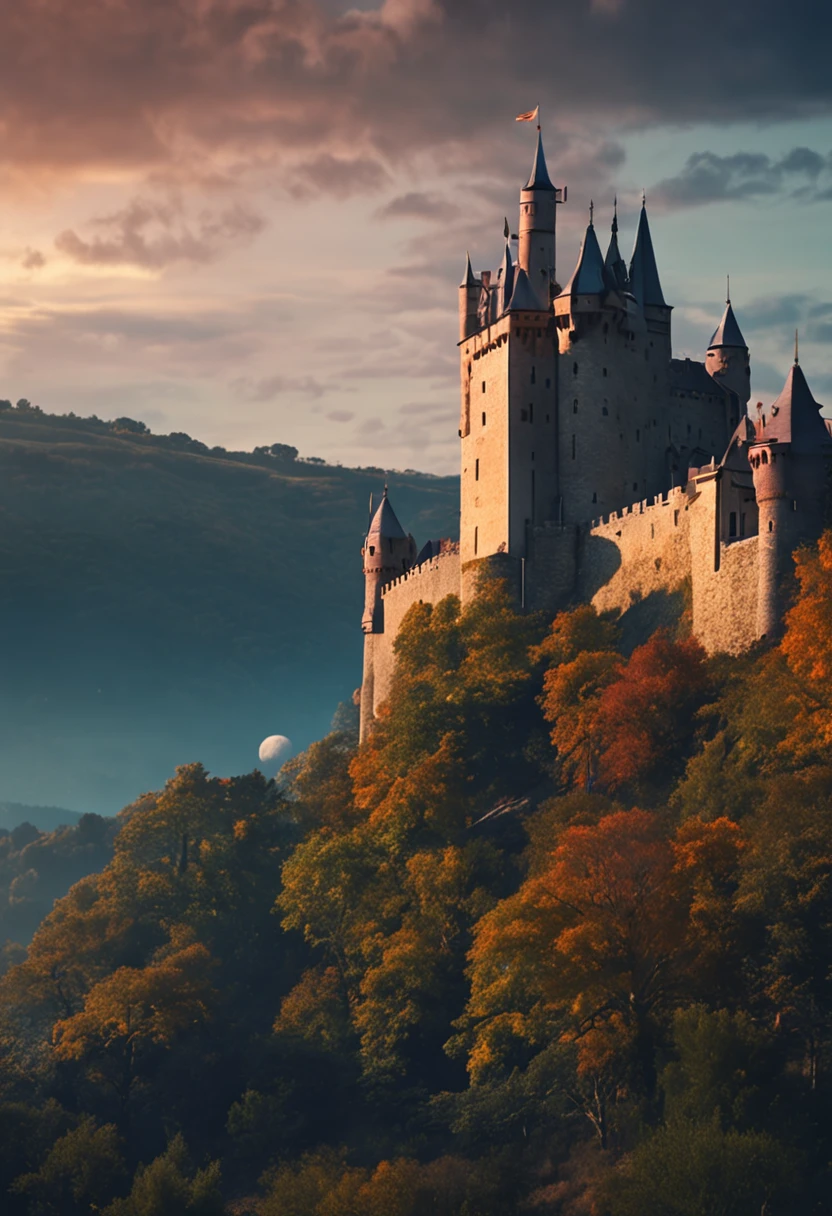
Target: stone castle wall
{"points": [[426, 584]]}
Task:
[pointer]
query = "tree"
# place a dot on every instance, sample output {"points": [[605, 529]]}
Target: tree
{"points": [[80, 1173], [133, 1011], [169, 1186]]}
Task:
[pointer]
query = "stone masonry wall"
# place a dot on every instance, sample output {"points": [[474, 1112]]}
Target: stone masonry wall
{"points": [[428, 584], [628, 555]]}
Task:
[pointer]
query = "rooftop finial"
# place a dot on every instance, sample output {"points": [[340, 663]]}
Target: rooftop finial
{"points": [[591, 213], [796, 352], [643, 197], [727, 289], [615, 216]]}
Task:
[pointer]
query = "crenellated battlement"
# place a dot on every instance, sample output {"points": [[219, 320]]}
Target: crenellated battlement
{"points": [[434, 567], [678, 496]]}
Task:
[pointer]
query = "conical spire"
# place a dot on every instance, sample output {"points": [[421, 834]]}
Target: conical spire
{"points": [[539, 179], [385, 525], [795, 416], [615, 268], [728, 332], [523, 298], [469, 279], [588, 276], [507, 276], [644, 274]]}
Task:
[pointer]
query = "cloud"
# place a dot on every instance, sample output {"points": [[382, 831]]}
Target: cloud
{"points": [[418, 206], [271, 387], [341, 416], [32, 259], [154, 235], [200, 84], [709, 178], [337, 176]]}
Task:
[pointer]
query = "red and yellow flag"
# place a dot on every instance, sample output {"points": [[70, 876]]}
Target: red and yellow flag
{"points": [[529, 116]]}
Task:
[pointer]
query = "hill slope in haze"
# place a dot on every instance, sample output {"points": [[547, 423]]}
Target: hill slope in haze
{"points": [[162, 601]]}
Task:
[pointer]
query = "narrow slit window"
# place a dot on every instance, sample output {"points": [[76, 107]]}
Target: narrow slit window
{"points": [[573, 447], [476, 540], [476, 470], [732, 524]]}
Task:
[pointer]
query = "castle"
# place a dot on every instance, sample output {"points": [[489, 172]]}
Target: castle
{"points": [[595, 466]]}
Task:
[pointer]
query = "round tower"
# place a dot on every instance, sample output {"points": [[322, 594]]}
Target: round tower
{"points": [[790, 466], [538, 207], [727, 359], [388, 552]]}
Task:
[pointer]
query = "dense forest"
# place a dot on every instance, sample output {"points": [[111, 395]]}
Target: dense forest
{"points": [[557, 939], [164, 601]]}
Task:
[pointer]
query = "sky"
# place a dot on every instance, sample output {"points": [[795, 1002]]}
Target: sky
{"points": [[246, 219]]}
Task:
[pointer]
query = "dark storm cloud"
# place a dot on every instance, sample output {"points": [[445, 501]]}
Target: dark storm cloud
{"points": [[708, 178], [156, 83], [154, 235]]}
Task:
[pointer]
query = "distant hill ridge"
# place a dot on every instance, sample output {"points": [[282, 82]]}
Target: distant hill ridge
{"points": [[44, 818], [163, 601]]}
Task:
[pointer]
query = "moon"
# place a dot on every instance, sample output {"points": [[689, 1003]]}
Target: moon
{"points": [[275, 750]]}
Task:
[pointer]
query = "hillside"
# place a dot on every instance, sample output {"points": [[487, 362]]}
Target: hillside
{"points": [[162, 601]]}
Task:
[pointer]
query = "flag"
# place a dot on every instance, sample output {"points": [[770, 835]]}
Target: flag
{"points": [[529, 116]]}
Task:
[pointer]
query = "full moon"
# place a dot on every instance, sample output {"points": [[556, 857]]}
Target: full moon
{"points": [[275, 749]]}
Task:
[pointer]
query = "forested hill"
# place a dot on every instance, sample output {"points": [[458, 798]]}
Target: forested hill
{"points": [[161, 601]]}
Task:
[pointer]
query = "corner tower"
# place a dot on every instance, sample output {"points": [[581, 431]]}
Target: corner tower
{"points": [[790, 459], [538, 211], [388, 552]]}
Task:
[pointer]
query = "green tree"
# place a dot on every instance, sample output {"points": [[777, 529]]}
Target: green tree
{"points": [[80, 1173]]}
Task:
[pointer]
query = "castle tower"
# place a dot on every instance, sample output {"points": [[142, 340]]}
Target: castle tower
{"points": [[388, 552], [538, 208], [727, 359], [469, 301], [789, 461]]}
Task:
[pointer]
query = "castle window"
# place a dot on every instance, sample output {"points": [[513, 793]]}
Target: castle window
{"points": [[573, 447], [675, 519], [606, 328], [531, 412], [483, 418], [635, 486], [604, 410], [604, 371], [372, 550], [548, 383], [732, 524], [689, 428], [524, 415], [533, 376], [574, 369], [575, 406], [547, 417], [476, 470], [794, 505], [532, 457], [652, 531], [476, 540], [770, 525], [765, 457], [638, 436], [483, 386], [594, 495], [742, 523]]}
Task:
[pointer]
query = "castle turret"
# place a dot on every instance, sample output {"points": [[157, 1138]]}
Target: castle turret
{"points": [[615, 268], [644, 273], [790, 464], [538, 206], [505, 280], [587, 284], [469, 301], [727, 359], [388, 552]]}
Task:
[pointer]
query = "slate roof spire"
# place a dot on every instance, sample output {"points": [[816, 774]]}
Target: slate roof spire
{"points": [[523, 298], [539, 179], [728, 332], [615, 268], [795, 417], [384, 524], [507, 273], [588, 275], [644, 273], [469, 279]]}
